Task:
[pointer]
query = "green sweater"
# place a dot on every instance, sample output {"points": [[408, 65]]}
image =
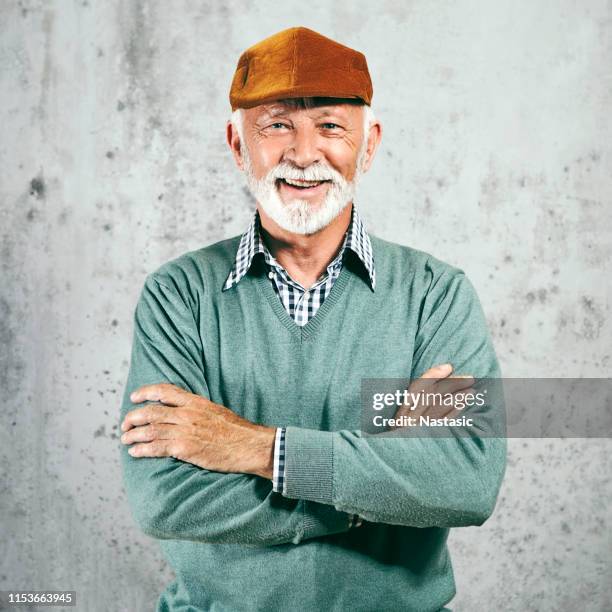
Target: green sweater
{"points": [[236, 545]]}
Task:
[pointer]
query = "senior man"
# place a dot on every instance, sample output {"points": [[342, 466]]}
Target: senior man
{"points": [[247, 460]]}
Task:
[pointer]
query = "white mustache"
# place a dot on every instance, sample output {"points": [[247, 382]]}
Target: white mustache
{"points": [[312, 173]]}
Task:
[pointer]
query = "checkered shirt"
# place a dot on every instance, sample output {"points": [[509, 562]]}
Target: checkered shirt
{"points": [[301, 304]]}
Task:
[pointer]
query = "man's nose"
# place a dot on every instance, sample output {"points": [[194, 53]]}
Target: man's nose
{"points": [[304, 149]]}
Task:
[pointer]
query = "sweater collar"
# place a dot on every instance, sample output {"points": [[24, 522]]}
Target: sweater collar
{"points": [[251, 243]]}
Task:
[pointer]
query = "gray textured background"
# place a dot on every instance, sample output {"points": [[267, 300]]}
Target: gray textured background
{"points": [[496, 157]]}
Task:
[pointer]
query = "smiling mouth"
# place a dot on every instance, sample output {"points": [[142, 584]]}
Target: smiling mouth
{"points": [[301, 184]]}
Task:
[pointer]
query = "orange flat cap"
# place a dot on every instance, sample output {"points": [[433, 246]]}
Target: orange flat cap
{"points": [[297, 63]]}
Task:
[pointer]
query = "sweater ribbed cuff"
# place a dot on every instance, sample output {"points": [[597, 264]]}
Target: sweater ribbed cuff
{"points": [[309, 464]]}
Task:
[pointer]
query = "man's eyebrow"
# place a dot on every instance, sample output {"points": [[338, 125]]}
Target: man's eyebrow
{"points": [[275, 112], [326, 112], [284, 112], [279, 111]]}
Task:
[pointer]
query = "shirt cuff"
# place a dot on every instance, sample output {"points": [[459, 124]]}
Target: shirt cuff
{"points": [[278, 471]]}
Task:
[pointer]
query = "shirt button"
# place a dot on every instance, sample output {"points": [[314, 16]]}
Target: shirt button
{"points": [[270, 274]]}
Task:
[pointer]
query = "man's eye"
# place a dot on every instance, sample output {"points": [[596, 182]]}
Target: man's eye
{"points": [[330, 126], [278, 125]]}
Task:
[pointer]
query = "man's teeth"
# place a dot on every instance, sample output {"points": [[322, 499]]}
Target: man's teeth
{"points": [[302, 183]]}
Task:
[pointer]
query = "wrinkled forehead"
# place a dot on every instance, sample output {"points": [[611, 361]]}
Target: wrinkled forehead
{"points": [[349, 109]]}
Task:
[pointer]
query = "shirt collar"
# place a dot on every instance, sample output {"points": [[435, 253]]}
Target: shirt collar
{"points": [[251, 243]]}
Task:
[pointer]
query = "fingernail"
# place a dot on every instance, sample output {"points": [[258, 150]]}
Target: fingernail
{"points": [[133, 395]]}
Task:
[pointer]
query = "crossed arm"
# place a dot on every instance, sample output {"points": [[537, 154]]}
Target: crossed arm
{"points": [[198, 471]]}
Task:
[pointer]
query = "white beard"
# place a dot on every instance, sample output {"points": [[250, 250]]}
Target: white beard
{"points": [[297, 216]]}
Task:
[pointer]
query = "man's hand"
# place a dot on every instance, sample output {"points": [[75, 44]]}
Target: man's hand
{"points": [[435, 381], [194, 429]]}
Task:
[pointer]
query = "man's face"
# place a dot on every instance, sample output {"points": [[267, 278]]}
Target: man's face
{"points": [[303, 164]]}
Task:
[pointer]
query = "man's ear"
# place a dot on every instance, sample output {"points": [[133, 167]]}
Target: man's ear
{"points": [[235, 144], [374, 137]]}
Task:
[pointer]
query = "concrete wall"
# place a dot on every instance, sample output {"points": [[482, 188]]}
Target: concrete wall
{"points": [[496, 157]]}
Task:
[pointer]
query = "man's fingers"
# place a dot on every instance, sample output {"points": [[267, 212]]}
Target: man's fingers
{"points": [[148, 433], [463, 398], [435, 403], [430, 377], [439, 371], [438, 380], [165, 393], [153, 413], [158, 448], [453, 383]]}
